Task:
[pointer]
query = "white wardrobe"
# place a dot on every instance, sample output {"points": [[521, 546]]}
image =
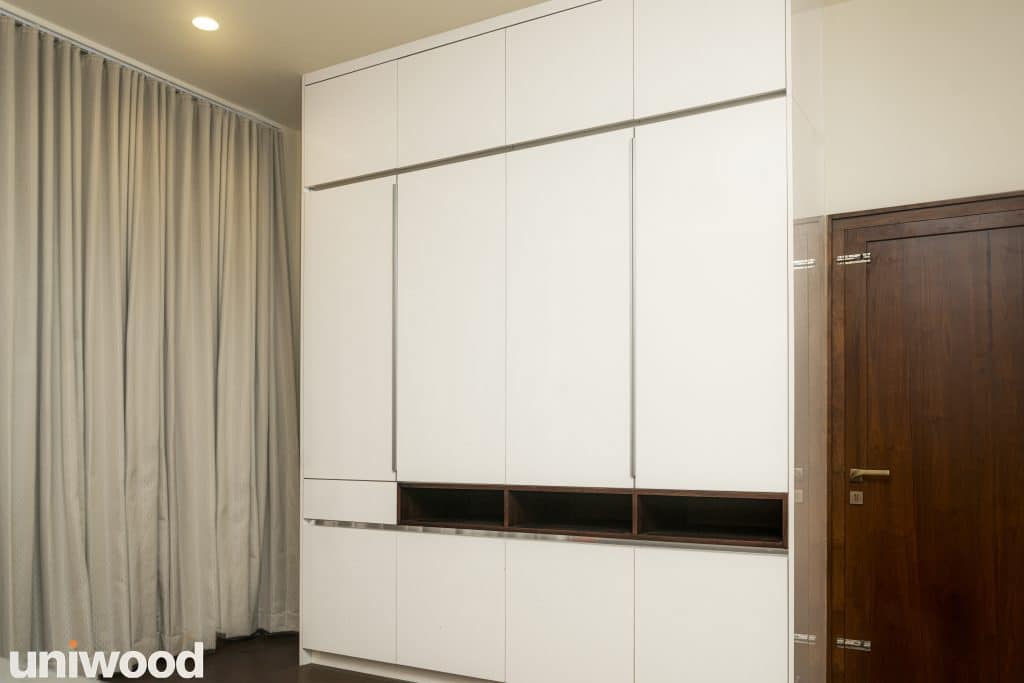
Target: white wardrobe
{"points": [[546, 271]]}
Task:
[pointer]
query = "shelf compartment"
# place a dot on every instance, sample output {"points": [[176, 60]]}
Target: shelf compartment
{"points": [[571, 511], [713, 517], [474, 507]]}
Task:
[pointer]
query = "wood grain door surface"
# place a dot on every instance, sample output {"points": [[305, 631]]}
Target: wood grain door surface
{"points": [[928, 382]]}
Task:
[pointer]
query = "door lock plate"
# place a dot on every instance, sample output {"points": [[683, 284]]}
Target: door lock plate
{"points": [[856, 497]]}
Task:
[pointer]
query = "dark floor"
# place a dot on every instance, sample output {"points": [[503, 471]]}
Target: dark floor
{"points": [[269, 659]]}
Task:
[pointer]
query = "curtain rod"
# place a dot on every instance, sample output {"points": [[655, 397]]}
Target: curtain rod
{"points": [[84, 45]]}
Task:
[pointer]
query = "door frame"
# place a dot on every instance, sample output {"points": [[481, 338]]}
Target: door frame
{"points": [[840, 234]]}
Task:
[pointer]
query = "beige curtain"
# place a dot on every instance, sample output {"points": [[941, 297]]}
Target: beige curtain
{"points": [[148, 399]]}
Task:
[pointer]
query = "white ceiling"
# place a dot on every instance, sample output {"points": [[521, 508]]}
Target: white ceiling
{"points": [[263, 47]]}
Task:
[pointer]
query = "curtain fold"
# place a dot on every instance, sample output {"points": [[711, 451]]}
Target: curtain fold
{"points": [[149, 475]]}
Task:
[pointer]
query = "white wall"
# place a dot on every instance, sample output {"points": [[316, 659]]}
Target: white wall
{"points": [[924, 100]]}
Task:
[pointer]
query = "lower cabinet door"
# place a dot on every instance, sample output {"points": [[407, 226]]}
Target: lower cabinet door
{"points": [[451, 604], [348, 591], [570, 613], [711, 616]]}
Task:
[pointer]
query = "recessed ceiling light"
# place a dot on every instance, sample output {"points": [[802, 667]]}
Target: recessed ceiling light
{"points": [[205, 24]]}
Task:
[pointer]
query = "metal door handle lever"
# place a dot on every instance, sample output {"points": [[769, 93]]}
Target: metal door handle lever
{"points": [[857, 475]]}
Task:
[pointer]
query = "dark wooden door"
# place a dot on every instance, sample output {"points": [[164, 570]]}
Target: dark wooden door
{"points": [[928, 372]]}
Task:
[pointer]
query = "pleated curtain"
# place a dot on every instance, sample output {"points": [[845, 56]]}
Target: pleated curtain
{"points": [[148, 361]]}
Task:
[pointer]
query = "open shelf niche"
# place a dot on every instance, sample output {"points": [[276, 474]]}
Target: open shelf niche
{"points": [[706, 517]]}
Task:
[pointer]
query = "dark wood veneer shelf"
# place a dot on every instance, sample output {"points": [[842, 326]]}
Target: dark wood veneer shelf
{"points": [[711, 517]]}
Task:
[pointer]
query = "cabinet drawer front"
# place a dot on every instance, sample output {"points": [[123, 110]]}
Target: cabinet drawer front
{"points": [[373, 502]]}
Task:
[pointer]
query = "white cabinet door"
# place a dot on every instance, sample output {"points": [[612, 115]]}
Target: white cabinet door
{"points": [[451, 100], [711, 301], [451, 323], [570, 612], [695, 52], [346, 332], [571, 70], [711, 616], [451, 604], [348, 591], [348, 125], [568, 312]]}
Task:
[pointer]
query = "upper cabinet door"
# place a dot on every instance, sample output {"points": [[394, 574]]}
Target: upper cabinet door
{"points": [[348, 126], [711, 301], [451, 100], [451, 323], [568, 312], [695, 52], [346, 332], [570, 71]]}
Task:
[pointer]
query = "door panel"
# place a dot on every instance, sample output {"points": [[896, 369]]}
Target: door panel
{"points": [[568, 312], [346, 332], [570, 612], [348, 591], [451, 323], [451, 604], [711, 301], [930, 339], [711, 616]]}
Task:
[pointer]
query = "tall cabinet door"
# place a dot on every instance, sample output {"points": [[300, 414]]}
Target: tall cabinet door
{"points": [[711, 301], [349, 125], [570, 70], [695, 52], [349, 579], [570, 612], [569, 312], [451, 323], [711, 615], [346, 332]]}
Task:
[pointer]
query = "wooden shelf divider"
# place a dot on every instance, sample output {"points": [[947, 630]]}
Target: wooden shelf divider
{"points": [[752, 519]]}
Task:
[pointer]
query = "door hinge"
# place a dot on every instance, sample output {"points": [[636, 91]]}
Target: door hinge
{"points": [[851, 644], [805, 638], [804, 263], [850, 259]]}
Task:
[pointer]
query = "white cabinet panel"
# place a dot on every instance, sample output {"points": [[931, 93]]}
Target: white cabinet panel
{"points": [[694, 52], [348, 591], [568, 312], [451, 604], [711, 329], [350, 501], [346, 332], [711, 616], [349, 125], [571, 70], [570, 612], [451, 323], [451, 100]]}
